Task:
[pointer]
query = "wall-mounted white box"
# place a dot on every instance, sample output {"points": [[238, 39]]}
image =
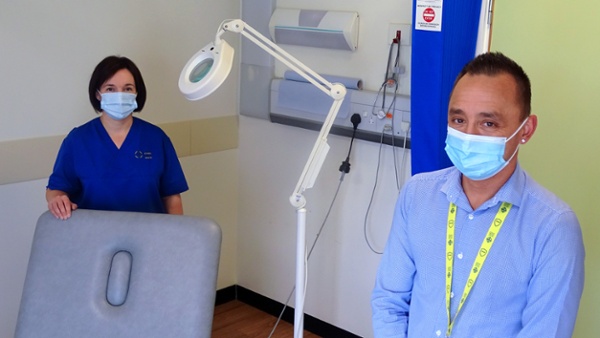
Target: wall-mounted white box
{"points": [[314, 28]]}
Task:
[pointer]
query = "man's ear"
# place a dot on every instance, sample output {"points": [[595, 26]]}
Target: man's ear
{"points": [[529, 128]]}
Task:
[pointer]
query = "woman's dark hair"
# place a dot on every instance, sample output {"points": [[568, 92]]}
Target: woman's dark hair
{"points": [[106, 69], [495, 63]]}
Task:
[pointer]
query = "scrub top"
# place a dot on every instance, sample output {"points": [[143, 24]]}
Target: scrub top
{"points": [[98, 175]]}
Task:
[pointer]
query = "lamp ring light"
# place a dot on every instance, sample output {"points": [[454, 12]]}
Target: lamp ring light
{"points": [[206, 70]]}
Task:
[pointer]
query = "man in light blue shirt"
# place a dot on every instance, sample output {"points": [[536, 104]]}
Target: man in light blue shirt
{"points": [[480, 250]]}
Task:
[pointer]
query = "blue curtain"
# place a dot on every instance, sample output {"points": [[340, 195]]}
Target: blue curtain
{"points": [[437, 57]]}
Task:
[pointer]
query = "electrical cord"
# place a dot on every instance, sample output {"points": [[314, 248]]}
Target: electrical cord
{"points": [[371, 199], [344, 169], [355, 119], [402, 166], [376, 98], [392, 73], [392, 108]]}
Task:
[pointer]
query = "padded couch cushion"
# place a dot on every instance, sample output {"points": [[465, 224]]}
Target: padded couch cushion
{"points": [[120, 274]]}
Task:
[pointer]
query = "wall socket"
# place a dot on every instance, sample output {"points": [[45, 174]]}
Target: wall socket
{"points": [[406, 30]]}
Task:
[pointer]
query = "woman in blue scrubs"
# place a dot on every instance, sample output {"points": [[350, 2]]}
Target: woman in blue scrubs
{"points": [[116, 161]]}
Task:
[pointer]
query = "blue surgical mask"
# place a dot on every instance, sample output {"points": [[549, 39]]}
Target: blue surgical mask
{"points": [[118, 105], [476, 156]]}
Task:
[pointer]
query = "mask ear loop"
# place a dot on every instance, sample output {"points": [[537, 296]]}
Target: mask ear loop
{"points": [[518, 145], [511, 156], [516, 131]]}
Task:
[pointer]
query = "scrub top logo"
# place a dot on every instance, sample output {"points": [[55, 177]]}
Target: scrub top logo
{"points": [[147, 155]]}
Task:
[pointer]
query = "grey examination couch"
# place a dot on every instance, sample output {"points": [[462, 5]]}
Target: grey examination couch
{"points": [[120, 274]]}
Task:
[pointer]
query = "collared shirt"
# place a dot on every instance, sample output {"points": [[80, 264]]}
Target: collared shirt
{"points": [[530, 285]]}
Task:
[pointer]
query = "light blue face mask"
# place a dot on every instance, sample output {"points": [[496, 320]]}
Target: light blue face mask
{"points": [[118, 105], [476, 156]]}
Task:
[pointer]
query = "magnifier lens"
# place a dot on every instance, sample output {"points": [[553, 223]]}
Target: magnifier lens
{"points": [[201, 69]]}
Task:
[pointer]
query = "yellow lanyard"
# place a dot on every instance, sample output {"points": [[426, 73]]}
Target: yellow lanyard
{"points": [[486, 245]]}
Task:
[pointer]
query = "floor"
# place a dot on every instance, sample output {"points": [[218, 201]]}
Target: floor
{"points": [[236, 319]]}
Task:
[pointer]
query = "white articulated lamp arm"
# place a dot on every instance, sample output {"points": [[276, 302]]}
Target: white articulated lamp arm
{"points": [[208, 69], [335, 90]]}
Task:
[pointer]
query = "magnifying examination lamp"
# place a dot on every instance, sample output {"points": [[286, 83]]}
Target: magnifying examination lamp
{"points": [[207, 70]]}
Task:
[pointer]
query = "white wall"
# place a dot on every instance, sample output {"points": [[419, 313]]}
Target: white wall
{"points": [[48, 50], [342, 267], [213, 183]]}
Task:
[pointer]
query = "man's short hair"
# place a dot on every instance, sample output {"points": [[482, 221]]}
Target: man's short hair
{"points": [[495, 63]]}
